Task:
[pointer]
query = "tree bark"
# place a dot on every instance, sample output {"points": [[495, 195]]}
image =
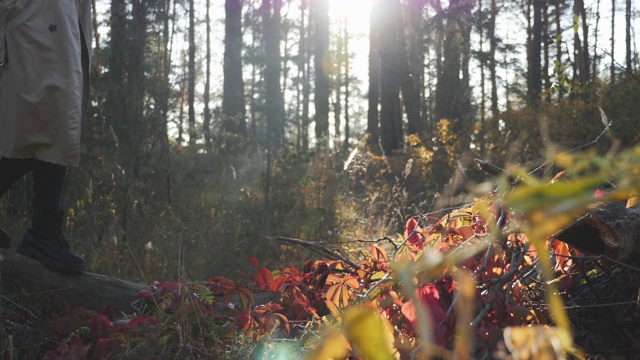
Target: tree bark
{"points": [[534, 71], [492, 65], [628, 37], [233, 93], [612, 70], [347, 82], [191, 87], [206, 123], [321, 99], [410, 52], [390, 109], [559, 67], [272, 72], [373, 98]]}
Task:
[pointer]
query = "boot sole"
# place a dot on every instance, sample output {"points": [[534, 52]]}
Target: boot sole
{"points": [[55, 265]]}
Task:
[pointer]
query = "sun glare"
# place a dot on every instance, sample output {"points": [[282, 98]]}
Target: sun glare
{"points": [[356, 12]]}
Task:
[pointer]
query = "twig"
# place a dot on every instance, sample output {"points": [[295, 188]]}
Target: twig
{"points": [[606, 128], [318, 248], [384, 238]]}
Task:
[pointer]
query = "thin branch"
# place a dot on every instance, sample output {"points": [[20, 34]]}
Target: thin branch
{"points": [[318, 248]]}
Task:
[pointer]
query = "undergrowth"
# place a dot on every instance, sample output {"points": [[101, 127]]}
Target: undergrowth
{"points": [[486, 280]]}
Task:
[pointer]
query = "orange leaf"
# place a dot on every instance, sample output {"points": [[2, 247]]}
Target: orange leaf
{"points": [[378, 254]]}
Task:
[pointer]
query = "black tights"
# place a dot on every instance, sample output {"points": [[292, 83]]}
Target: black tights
{"points": [[48, 181]]}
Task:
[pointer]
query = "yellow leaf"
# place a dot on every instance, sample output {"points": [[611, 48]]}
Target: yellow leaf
{"points": [[537, 342], [334, 309], [366, 333], [332, 346]]}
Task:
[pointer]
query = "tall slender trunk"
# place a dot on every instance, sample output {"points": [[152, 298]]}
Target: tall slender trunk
{"points": [[272, 72], [206, 124], [482, 62], [306, 82], [581, 50], [347, 83], [559, 67], [612, 70], [337, 104], [492, 64], [233, 108], [300, 64], [594, 62], [373, 98], [534, 71], [191, 87], [628, 37], [410, 56], [321, 99], [545, 49], [390, 76]]}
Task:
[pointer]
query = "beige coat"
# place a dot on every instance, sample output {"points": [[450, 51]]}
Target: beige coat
{"points": [[44, 52]]}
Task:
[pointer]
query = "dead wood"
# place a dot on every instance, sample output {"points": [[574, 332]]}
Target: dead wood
{"points": [[90, 290]]}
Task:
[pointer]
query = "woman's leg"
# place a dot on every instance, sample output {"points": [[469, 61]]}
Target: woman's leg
{"points": [[11, 170], [44, 240], [48, 188]]}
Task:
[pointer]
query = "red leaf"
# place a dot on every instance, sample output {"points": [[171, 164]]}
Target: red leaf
{"points": [[276, 284], [103, 348], [101, 327], [254, 261], [599, 193], [263, 278], [429, 297], [144, 319], [412, 232]]}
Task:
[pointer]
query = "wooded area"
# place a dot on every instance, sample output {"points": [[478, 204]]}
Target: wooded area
{"points": [[172, 166], [216, 129]]}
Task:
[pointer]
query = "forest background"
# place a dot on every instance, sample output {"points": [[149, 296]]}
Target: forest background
{"points": [[193, 162]]}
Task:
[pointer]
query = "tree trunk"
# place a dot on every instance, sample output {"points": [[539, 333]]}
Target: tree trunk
{"points": [[410, 52], [559, 67], [337, 104], [306, 80], [482, 62], [390, 110], [272, 72], [206, 123], [612, 70], [373, 97], [581, 50], [347, 82], [628, 37], [233, 110], [492, 65], [545, 49], [321, 99], [594, 62], [191, 87], [534, 71]]}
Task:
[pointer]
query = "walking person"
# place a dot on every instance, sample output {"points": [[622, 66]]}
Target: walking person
{"points": [[44, 87]]}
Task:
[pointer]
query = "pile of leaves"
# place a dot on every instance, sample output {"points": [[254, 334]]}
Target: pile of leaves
{"points": [[486, 280]]}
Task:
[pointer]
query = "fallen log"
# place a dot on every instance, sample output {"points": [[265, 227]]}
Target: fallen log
{"points": [[90, 290]]}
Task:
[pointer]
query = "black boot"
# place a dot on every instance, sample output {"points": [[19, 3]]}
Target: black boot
{"points": [[44, 241]]}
